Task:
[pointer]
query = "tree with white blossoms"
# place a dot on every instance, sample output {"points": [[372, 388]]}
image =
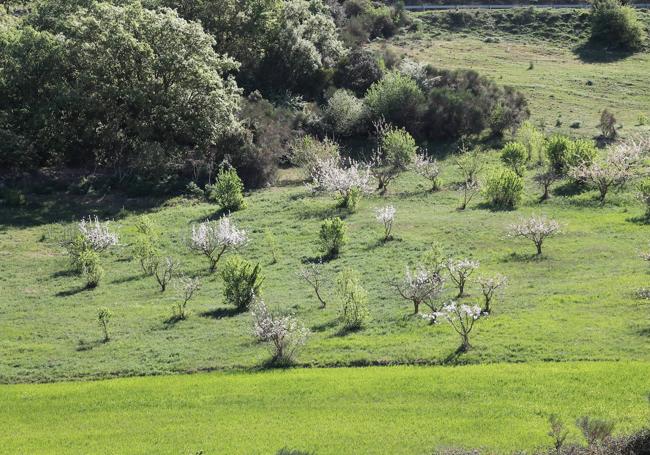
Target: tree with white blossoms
{"points": [[284, 333], [186, 287], [462, 318], [468, 190], [459, 271], [428, 168], [386, 216], [349, 181], [420, 286], [313, 274], [489, 288], [618, 168], [214, 238], [536, 229], [97, 235]]}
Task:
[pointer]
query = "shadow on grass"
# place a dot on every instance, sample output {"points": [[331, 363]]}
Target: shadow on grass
{"points": [[128, 279], [345, 331], [644, 332], [493, 208], [382, 242], [71, 292], [591, 52], [84, 345], [64, 274], [570, 188], [220, 313], [325, 326], [640, 220], [523, 257], [306, 213], [452, 358]]}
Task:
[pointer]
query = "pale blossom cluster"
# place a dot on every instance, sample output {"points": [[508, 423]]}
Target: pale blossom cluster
{"points": [[420, 286], [615, 170], [461, 317], [284, 333], [214, 238], [386, 216], [96, 234], [460, 271], [536, 228], [428, 168], [330, 176]]}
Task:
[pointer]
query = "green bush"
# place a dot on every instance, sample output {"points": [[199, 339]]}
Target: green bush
{"points": [[514, 155], [91, 269], [242, 282], [353, 312], [616, 25], [307, 151], [557, 151], [397, 150], [397, 99], [533, 139], [581, 151], [332, 237], [13, 198], [227, 191], [504, 189], [344, 114]]}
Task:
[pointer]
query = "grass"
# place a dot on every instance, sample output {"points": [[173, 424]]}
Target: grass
{"points": [[363, 410], [575, 303], [568, 80]]}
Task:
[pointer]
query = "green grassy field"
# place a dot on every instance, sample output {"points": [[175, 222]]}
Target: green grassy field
{"points": [[576, 303], [328, 411], [557, 84]]}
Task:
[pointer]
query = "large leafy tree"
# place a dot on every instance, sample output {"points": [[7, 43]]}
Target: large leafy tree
{"points": [[123, 87]]}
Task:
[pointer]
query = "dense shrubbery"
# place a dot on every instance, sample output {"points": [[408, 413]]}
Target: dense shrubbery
{"points": [[616, 25], [504, 189]]}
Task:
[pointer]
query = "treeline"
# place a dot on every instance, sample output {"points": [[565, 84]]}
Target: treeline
{"points": [[169, 89]]}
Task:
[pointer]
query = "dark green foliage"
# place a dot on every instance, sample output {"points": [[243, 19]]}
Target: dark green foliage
{"points": [[557, 151], [358, 71], [242, 282], [228, 190], [333, 236], [616, 25], [514, 155]]}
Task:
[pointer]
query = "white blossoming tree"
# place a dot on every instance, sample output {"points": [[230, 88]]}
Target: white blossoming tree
{"points": [[618, 168], [427, 168], [314, 276], [284, 334], [459, 271], [420, 286], [386, 216], [462, 318], [186, 287], [490, 286], [214, 238], [536, 229], [97, 235], [348, 182]]}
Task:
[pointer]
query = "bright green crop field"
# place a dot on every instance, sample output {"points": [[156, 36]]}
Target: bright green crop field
{"points": [[375, 410]]}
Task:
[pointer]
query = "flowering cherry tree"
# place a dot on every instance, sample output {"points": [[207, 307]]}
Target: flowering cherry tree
{"points": [[349, 182], [460, 271], [536, 228], [214, 238], [186, 288], [468, 190], [386, 216], [462, 318], [313, 275], [420, 286], [615, 170], [489, 287], [97, 235], [284, 333], [428, 168]]}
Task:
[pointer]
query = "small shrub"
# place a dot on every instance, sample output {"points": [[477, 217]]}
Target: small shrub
{"points": [[468, 190], [314, 276], [470, 164], [534, 141], [607, 125], [104, 317], [186, 288], [429, 169], [348, 183], [344, 114], [91, 268], [421, 286], [242, 282], [557, 432], [397, 99], [272, 245], [581, 152], [227, 191], [545, 179], [514, 155], [643, 119], [193, 191], [353, 312], [397, 151], [146, 253], [504, 189], [163, 270], [386, 216], [594, 430], [284, 333], [333, 236]]}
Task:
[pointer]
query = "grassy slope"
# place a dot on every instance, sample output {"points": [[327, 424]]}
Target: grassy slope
{"points": [[575, 304], [406, 410], [557, 84]]}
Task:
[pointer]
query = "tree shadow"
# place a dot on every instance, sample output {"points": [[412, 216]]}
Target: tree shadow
{"points": [[345, 331], [569, 188], [322, 259], [640, 220], [64, 273], [493, 208], [84, 345], [453, 357], [128, 279], [220, 313], [522, 257], [71, 292], [591, 52], [325, 326], [306, 213], [645, 332]]}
